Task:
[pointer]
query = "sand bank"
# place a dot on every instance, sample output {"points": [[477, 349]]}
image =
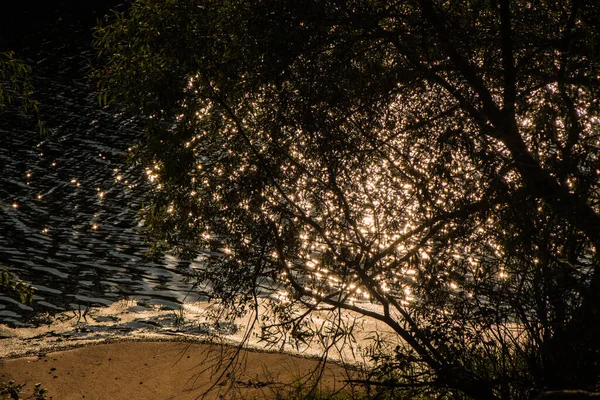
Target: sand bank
{"points": [[167, 370], [133, 351]]}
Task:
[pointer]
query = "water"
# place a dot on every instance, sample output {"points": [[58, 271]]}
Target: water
{"points": [[68, 224]]}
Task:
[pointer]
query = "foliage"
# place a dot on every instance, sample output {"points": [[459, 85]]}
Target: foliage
{"points": [[432, 165], [11, 390], [16, 89], [24, 290]]}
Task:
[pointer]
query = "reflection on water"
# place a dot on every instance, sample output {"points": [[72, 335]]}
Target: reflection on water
{"points": [[68, 223]]}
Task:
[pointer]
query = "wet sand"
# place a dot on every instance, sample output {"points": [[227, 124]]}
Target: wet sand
{"points": [[168, 370]]}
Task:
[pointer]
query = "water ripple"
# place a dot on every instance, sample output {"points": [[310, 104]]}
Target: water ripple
{"points": [[69, 202]]}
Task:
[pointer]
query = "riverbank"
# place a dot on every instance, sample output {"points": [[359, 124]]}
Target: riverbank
{"points": [[105, 352], [170, 370]]}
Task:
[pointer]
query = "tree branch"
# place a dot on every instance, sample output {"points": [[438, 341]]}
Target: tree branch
{"points": [[463, 66], [508, 62]]}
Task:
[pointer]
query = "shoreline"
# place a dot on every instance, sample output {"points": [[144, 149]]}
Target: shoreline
{"points": [[79, 345], [130, 320]]}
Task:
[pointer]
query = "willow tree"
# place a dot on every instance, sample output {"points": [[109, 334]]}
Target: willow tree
{"points": [[433, 165]]}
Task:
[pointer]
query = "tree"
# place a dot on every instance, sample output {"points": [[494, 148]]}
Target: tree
{"points": [[433, 165]]}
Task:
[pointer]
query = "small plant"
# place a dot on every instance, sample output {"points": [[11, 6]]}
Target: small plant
{"points": [[24, 290], [179, 317], [12, 390], [39, 393], [82, 312]]}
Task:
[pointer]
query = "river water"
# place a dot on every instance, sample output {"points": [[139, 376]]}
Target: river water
{"points": [[69, 202]]}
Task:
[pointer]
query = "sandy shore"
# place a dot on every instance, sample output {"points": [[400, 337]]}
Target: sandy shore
{"points": [[167, 370], [134, 351]]}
